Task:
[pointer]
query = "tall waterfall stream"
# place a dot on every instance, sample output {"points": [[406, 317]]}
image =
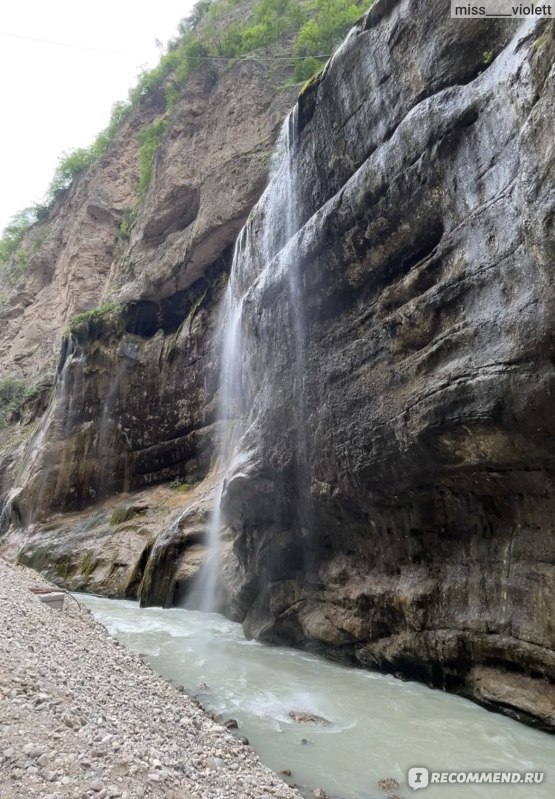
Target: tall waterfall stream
{"points": [[379, 726]]}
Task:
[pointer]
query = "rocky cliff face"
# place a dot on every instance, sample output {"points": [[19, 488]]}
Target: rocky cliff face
{"points": [[133, 402], [391, 501]]}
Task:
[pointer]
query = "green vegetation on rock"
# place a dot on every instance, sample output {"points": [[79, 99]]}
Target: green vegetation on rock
{"points": [[15, 256], [150, 138], [128, 220], [13, 393], [88, 564], [122, 514], [310, 30], [98, 314], [177, 485]]}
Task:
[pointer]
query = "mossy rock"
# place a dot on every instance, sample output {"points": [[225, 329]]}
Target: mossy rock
{"points": [[88, 564], [97, 323], [312, 82], [177, 485], [122, 514]]}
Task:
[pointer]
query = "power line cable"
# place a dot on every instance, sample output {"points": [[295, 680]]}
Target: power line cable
{"points": [[80, 46]]}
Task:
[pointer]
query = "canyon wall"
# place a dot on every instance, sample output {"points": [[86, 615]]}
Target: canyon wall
{"points": [[393, 502], [391, 499]]}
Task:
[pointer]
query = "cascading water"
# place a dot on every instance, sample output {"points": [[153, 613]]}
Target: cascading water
{"points": [[204, 594], [57, 414], [58, 417], [7, 510], [262, 241], [283, 213]]}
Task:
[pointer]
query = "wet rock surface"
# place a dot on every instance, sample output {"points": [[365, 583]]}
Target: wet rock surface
{"points": [[83, 717], [404, 509], [148, 545], [302, 717]]}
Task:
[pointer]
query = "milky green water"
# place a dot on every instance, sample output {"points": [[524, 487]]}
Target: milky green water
{"points": [[379, 727]]}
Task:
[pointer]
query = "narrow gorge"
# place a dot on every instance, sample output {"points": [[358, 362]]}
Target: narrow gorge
{"points": [[308, 380]]}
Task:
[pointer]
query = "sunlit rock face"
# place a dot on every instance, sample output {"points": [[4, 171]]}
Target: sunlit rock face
{"points": [[393, 501]]}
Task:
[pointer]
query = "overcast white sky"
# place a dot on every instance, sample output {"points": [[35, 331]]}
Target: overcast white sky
{"points": [[55, 98]]}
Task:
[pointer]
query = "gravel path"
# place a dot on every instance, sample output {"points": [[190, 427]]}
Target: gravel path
{"points": [[81, 716]]}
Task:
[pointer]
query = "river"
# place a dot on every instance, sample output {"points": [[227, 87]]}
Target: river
{"points": [[380, 726]]}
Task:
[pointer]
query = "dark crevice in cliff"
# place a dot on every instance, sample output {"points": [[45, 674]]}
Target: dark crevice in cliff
{"points": [[160, 445], [146, 317], [414, 254]]}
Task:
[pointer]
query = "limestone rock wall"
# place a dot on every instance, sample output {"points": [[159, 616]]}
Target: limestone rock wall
{"points": [[136, 403], [401, 516]]}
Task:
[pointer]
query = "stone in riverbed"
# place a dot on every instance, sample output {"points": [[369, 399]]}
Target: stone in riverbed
{"points": [[388, 784], [308, 718], [215, 763]]}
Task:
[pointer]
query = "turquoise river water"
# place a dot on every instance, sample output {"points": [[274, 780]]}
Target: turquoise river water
{"points": [[380, 726]]}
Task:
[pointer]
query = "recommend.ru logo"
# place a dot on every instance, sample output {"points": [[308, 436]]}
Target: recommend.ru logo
{"points": [[420, 777]]}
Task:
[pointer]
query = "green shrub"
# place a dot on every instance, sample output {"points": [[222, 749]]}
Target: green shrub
{"points": [[70, 165], [14, 232], [306, 69], [14, 256], [196, 15], [127, 222], [85, 318], [120, 112], [323, 31], [150, 138], [13, 393]]}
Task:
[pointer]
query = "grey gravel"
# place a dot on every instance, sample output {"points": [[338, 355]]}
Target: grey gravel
{"points": [[82, 717]]}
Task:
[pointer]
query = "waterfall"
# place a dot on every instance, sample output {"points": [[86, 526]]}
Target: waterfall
{"points": [[59, 416], [6, 512], [282, 221], [56, 414], [265, 236], [204, 594]]}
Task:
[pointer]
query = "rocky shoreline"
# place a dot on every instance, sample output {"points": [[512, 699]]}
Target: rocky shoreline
{"points": [[81, 716]]}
